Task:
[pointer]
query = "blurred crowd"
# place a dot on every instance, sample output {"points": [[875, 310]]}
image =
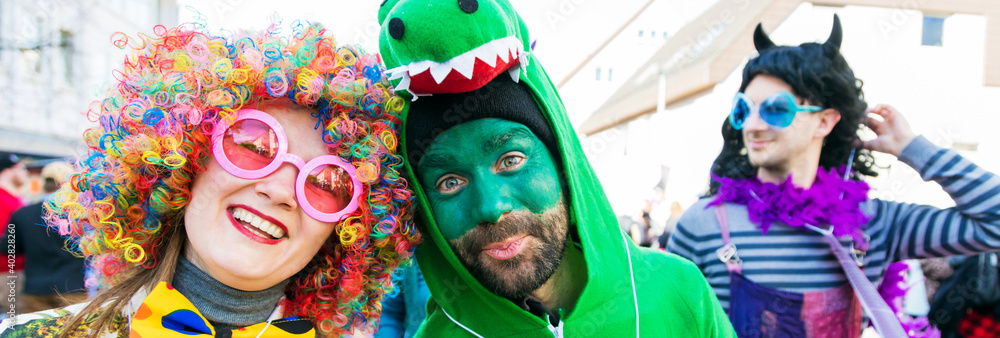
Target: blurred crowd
{"points": [[44, 274]]}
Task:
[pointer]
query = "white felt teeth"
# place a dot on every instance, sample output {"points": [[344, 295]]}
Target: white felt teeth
{"points": [[418, 67], [402, 73], [398, 72], [404, 84], [439, 71], [465, 66], [515, 73], [506, 49], [502, 51], [488, 56]]}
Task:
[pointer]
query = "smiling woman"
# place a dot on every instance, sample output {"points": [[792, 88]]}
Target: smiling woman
{"points": [[236, 185]]}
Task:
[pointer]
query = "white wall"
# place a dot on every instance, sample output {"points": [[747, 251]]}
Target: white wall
{"points": [[584, 92], [939, 90]]}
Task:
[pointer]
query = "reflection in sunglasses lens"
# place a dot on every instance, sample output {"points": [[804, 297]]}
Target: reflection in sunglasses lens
{"points": [[740, 111], [777, 111], [329, 189], [250, 144]]}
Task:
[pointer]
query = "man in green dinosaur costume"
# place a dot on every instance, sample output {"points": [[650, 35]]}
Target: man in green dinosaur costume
{"points": [[523, 241]]}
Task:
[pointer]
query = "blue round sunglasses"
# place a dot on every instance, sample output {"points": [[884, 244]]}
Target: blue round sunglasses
{"points": [[777, 110]]}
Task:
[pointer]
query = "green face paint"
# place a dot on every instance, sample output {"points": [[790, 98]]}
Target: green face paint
{"points": [[477, 171]]}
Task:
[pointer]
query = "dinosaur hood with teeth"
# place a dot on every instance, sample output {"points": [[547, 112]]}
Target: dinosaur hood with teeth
{"points": [[450, 48], [422, 61]]}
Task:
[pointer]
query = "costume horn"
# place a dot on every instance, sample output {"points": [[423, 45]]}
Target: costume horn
{"points": [[836, 36], [760, 39]]}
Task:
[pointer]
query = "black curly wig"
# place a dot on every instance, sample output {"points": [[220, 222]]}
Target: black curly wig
{"points": [[819, 74]]}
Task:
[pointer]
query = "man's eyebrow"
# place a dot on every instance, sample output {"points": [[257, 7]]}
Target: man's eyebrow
{"points": [[491, 144], [436, 160]]}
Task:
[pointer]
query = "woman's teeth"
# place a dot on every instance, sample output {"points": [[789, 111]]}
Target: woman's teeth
{"points": [[257, 222]]}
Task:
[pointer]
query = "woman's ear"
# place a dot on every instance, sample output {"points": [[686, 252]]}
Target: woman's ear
{"points": [[828, 118]]}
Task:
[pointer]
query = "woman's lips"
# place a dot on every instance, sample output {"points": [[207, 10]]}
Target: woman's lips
{"points": [[507, 249], [252, 234]]}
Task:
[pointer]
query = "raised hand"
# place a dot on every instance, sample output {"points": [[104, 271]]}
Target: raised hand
{"points": [[892, 130]]}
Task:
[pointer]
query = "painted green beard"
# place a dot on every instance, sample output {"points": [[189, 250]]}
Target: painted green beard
{"points": [[477, 171]]}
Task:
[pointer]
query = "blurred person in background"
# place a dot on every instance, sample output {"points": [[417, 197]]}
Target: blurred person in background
{"points": [[641, 231], [403, 312], [13, 177], [935, 271], [787, 200], [676, 210], [967, 302], [53, 276]]}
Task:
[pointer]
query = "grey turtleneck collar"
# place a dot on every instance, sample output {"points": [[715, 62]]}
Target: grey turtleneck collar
{"points": [[222, 304]]}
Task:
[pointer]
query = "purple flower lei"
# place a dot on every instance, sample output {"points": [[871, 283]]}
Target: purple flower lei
{"points": [[831, 200]]}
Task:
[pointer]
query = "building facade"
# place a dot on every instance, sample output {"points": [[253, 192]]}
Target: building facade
{"points": [[56, 57]]}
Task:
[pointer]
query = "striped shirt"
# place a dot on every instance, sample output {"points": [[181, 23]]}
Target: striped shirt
{"points": [[799, 260]]}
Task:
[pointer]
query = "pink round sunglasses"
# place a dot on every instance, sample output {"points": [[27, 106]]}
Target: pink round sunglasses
{"points": [[255, 145]]}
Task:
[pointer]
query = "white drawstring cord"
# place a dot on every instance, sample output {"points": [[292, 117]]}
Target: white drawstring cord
{"points": [[460, 324], [628, 256]]}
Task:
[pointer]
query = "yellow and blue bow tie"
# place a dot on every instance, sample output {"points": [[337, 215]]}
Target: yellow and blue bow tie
{"points": [[167, 313]]}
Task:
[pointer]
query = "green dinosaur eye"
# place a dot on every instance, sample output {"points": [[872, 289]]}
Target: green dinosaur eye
{"points": [[396, 28], [468, 6]]}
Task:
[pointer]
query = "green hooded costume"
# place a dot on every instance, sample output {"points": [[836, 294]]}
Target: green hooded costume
{"points": [[455, 46]]}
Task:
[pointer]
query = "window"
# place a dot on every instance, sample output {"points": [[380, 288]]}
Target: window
{"points": [[640, 33], [933, 30], [664, 35], [609, 74], [32, 60], [66, 51], [30, 42], [597, 75]]}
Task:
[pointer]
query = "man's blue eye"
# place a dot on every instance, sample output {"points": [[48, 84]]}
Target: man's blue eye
{"points": [[448, 184], [510, 161]]}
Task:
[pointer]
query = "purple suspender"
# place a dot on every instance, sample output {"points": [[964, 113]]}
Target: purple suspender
{"points": [[727, 253]]}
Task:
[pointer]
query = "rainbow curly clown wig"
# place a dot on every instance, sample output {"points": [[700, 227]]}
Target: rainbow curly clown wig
{"points": [[124, 206]]}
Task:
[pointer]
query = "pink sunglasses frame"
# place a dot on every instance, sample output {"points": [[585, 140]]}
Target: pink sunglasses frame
{"points": [[283, 157]]}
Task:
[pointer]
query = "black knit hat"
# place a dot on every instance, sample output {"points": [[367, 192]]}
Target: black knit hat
{"points": [[501, 98], [7, 160]]}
